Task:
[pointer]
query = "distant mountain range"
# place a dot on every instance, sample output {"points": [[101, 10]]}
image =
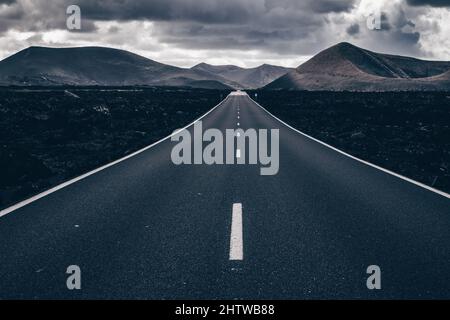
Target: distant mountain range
{"points": [[114, 67], [249, 78], [340, 67], [347, 67]]}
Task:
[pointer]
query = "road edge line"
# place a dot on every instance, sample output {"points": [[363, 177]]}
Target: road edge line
{"points": [[417, 183], [87, 174]]}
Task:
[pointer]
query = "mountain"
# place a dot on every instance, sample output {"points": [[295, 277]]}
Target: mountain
{"points": [[99, 66], [348, 67], [248, 78], [115, 67]]}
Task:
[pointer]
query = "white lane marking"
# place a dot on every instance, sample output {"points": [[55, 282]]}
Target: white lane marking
{"points": [[67, 183], [238, 123], [417, 183], [238, 117], [236, 239], [238, 153]]}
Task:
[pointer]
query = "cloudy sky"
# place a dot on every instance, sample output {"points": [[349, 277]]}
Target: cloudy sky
{"points": [[242, 32]]}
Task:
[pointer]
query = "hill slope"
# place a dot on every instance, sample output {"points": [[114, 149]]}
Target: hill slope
{"points": [[347, 67], [97, 66]]}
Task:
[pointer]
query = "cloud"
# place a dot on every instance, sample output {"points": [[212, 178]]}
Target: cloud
{"points": [[206, 11], [432, 3], [327, 6], [353, 29], [214, 30], [37, 15]]}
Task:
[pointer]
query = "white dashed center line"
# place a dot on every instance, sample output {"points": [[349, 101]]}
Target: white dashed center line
{"points": [[238, 153], [236, 245]]}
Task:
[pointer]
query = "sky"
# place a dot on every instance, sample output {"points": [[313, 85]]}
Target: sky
{"points": [[247, 33]]}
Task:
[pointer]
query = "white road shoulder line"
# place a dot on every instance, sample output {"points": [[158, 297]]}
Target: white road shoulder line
{"points": [[236, 239], [417, 183], [67, 183]]}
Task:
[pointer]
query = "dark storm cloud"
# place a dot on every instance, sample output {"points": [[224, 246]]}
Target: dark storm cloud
{"points": [[326, 6], [353, 29], [432, 3], [226, 24], [9, 14], [51, 14], [207, 11], [398, 34], [396, 26], [315, 6], [275, 30], [385, 24], [280, 27], [198, 36], [403, 29], [37, 15]]}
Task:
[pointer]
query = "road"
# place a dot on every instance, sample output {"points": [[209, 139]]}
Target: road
{"points": [[146, 228]]}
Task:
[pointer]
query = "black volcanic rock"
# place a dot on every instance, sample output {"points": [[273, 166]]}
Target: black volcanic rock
{"points": [[347, 67], [52, 134]]}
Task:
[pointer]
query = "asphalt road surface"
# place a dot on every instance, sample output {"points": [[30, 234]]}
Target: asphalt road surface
{"points": [[146, 228]]}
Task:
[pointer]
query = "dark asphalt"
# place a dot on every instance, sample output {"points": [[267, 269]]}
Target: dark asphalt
{"points": [[145, 228]]}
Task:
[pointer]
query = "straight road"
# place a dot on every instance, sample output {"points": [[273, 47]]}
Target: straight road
{"points": [[147, 228]]}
